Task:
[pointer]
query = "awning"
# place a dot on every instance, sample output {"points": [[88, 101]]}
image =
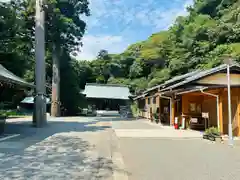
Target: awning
{"points": [[7, 76], [184, 90], [192, 89]]}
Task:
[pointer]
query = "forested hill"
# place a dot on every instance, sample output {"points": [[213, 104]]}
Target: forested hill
{"points": [[203, 39]]}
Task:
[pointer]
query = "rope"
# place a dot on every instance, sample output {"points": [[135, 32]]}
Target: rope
{"points": [[40, 94]]}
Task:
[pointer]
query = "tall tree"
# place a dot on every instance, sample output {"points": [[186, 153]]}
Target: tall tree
{"points": [[66, 30]]}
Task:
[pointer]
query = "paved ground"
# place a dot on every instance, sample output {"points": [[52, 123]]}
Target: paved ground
{"points": [[69, 148], [87, 148], [143, 129], [159, 158]]}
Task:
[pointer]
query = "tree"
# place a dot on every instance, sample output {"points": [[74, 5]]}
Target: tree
{"points": [[103, 54], [199, 40], [65, 28], [15, 49]]}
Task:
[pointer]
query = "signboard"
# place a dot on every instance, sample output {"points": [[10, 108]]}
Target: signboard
{"points": [[205, 114], [194, 120]]}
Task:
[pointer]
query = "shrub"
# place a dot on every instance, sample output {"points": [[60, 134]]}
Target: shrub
{"points": [[156, 116], [135, 110], [212, 130], [3, 113]]}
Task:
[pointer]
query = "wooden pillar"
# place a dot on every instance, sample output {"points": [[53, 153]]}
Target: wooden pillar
{"points": [[172, 111], [220, 106], [238, 111], [147, 109], [159, 106], [151, 107]]}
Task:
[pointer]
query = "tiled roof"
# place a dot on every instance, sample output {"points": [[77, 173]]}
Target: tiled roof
{"points": [[180, 77], [173, 80], [201, 75], [177, 82], [106, 91], [8, 76]]}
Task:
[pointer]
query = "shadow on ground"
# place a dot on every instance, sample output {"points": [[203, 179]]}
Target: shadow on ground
{"points": [[57, 151]]}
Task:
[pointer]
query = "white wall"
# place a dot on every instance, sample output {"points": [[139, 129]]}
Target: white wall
{"points": [[221, 79]]}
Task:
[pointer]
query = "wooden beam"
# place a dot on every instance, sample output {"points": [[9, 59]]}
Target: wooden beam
{"points": [[159, 106], [220, 106], [146, 105], [238, 112], [173, 111]]}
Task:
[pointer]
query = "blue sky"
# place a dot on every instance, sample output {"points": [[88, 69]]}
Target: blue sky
{"points": [[115, 24]]}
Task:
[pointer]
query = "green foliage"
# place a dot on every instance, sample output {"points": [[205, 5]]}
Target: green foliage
{"points": [[210, 33], [64, 29], [203, 39], [74, 76], [134, 109], [3, 114], [158, 76], [137, 85], [11, 113], [212, 131], [156, 116], [136, 70], [15, 49]]}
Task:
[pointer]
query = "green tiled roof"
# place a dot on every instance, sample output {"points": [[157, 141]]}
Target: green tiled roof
{"points": [[106, 91], [8, 76]]}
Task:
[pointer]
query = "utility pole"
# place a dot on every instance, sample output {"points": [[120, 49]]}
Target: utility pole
{"points": [[39, 117], [228, 61], [230, 133]]}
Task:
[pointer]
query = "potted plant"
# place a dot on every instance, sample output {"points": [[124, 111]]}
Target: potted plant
{"points": [[212, 134], [156, 117], [3, 117]]}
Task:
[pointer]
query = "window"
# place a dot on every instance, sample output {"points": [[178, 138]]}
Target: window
{"points": [[154, 99]]}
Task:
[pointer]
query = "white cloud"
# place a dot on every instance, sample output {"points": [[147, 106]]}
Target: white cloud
{"points": [[162, 19], [109, 14], [167, 18], [93, 44], [146, 13]]}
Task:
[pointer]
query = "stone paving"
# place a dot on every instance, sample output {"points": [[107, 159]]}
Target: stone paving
{"points": [[89, 149], [70, 148]]}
